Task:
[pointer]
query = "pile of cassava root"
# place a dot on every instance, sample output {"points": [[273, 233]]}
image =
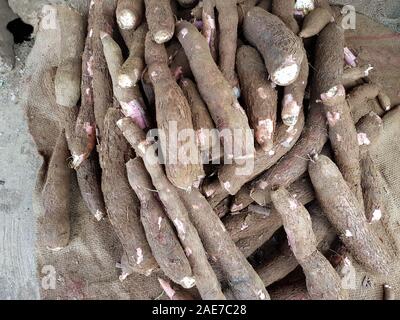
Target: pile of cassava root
{"points": [[278, 169]]}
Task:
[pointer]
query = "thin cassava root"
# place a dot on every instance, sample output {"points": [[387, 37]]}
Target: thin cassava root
{"points": [[206, 279]]}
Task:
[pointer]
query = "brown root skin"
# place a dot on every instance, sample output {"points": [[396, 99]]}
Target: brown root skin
{"points": [[358, 100], [284, 9], [206, 280], [132, 69], [233, 177], [7, 55], [67, 83], [261, 98], [344, 212], [248, 223], [329, 69], [352, 75], [296, 291], [388, 293], [210, 27], [241, 277], [285, 262], [197, 11], [315, 21], [343, 138], [224, 108], [160, 234], [383, 98], [80, 125], [130, 14], [297, 223], [329, 59], [282, 50], [101, 17], [129, 98], [172, 108], [206, 135], [292, 103], [160, 19], [369, 130], [322, 280], [85, 141], [121, 202], [55, 195], [228, 20], [88, 176]]}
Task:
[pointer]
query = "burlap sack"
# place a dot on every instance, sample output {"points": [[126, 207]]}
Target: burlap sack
{"points": [[87, 268]]}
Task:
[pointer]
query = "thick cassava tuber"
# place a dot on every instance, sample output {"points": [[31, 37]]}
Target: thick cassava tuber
{"points": [[121, 202], [329, 69], [322, 280], [315, 21], [345, 213], [284, 9], [160, 234], [174, 292], [358, 98], [55, 193], [130, 14], [228, 20], [369, 129], [130, 98], [260, 96], [282, 50], [132, 69], [206, 280], [292, 102], [343, 138], [206, 134], [181, 155], [239, 274], [228, 115], [101, 18], [285, 262], [85, 139], [160, 18]]}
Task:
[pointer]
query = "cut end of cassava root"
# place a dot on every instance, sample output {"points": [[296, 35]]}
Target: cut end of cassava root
{"points": [[286, 74], [125, 81], [188, 282], [126, 19]]}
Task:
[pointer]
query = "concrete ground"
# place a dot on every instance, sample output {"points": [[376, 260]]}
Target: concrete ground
{"points": [[19, 163]]}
